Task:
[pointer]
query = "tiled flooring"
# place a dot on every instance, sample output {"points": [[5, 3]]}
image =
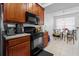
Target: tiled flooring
{"points": [[61, 48]]}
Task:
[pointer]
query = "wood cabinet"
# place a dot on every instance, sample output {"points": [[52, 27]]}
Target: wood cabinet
{"points": [[45, 38], [32, 8], [29, 7], [20, 49], [14, 12], [18, 46], [41, 15], [20, 12], [36, 9], [9, 11]]}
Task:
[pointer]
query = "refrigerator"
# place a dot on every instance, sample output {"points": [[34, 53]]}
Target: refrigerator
{"points": [[1, 31]]}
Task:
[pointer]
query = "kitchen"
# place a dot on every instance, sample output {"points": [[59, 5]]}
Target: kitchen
{"points": [[22, 34], [39, 29]]}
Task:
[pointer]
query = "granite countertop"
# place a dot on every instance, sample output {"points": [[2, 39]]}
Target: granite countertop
{"points": [[16, 36]]}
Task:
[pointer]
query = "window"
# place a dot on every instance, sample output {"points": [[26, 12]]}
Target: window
{"points": [[68, 22]]}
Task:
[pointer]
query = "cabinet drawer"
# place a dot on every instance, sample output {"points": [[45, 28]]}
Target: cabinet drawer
{"points": [[16, 41]]}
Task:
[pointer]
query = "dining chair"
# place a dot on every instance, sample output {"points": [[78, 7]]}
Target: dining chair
{"points": [[70, 36], [65, 34]]}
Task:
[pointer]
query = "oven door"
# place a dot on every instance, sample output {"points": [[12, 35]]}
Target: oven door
{"points": [[37, 43]]}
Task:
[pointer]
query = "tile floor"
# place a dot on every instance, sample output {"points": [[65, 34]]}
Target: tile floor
{"points": [[61, 48]]}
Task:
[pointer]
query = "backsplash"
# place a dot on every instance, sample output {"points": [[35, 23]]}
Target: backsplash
{"points": [[29, 25]]}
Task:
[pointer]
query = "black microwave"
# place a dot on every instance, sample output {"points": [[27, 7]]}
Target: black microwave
{"points": [[31, 18]]}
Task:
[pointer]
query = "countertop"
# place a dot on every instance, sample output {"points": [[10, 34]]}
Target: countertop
{"points": [[16, 36]]}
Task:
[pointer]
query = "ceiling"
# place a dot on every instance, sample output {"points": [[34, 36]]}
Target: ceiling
{"points": [[45, 4], [58, 6]]}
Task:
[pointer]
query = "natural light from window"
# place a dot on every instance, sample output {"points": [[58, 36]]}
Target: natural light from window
{"points": [[68, 22]]}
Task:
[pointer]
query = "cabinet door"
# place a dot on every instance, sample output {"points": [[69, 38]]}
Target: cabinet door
{"points": [[41, 15], [9, 51], [30, 7], [22, 49], [9, 11], [20, 12], [45, 39], [35, 9], [14, 12]]}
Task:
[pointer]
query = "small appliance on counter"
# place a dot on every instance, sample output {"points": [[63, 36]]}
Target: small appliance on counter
{"points": [[19, 29], [13, 29], [9, 29]]}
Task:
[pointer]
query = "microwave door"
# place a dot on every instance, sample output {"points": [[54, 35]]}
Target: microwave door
{"points": [[32, 20]]}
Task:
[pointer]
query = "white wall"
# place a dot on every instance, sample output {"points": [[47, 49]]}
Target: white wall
{"points": [[49, 22]]}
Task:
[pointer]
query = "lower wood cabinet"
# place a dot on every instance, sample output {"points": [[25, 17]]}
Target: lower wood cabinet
{"points": [[45, 39], [21, 49]]}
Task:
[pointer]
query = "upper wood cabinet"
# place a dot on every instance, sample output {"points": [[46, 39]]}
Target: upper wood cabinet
{"points": [[20, 12], [9, 12], [29, 7], [41, 15], [36, 9], [14, 12]]}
